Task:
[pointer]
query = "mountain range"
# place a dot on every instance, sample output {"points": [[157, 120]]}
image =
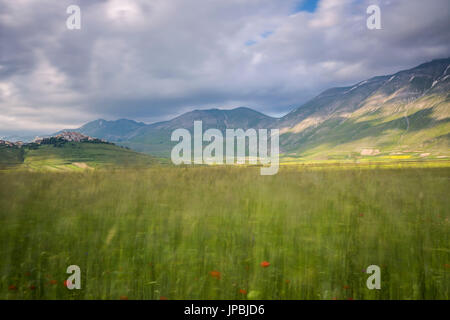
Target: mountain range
{"points": [[403, 114]]}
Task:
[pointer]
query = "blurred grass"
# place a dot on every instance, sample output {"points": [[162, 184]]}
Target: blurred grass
{"points": [[146, 234]]}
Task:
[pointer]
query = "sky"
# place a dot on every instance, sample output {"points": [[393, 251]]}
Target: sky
{"points": [[155, 59]]}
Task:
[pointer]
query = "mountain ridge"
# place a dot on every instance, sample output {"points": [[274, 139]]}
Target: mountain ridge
{"points": [[374, 113]]}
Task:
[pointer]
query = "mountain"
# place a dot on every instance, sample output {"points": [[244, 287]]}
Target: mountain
{"points": [[405, 111], [405, 114], [109, 130], [155, 138], [405, 86], [16, 138], [220, 119], [124, 129]]}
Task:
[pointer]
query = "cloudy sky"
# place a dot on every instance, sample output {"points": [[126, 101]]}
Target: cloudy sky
{"points": [[150, 60]]}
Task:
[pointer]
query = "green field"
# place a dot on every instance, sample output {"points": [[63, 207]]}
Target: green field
{"points": [[72, 156], [203, 232], [10, 157]]}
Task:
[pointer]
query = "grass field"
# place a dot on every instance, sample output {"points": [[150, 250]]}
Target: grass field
{"points": [[10, 157], [203, 233], [73, 156]]}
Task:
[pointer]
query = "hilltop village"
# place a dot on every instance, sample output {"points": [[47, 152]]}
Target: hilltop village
{"points": [[57, 140]]}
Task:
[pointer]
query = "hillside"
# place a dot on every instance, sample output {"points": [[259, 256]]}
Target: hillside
{"points": [[404, 114], [10, 156], [73, 156]]}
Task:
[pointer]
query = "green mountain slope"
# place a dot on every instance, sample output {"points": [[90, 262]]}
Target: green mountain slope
{"points": [[403, 115], [74, 156]]}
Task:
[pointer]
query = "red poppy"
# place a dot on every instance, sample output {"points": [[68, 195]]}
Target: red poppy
{"points": [[447, 265], [123, 298], [12, 288], [346, 287], [27, 274], [350, 299], [215, 274], [163, 298], [32, 287], [361, 214], [287, 281], [53, 282], [265, 264], [66, 283], [334, 298], [242, 291]]}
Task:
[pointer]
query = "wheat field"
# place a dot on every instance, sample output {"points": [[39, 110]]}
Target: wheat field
{"points": [[226, 233]]}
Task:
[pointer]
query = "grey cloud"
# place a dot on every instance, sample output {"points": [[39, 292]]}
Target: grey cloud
{"points": [[150, 60]]}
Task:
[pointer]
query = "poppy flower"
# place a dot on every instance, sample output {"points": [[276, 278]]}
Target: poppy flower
{"points": [[346, 287], [242, 291], [350, 299], [66, 283], [163, 298], [287, 281], [32, 287], [265, 264], [27, 274], [123, 298], [53, 282], [12, 288], [334, 298], [215, 274], [447, 265]]}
